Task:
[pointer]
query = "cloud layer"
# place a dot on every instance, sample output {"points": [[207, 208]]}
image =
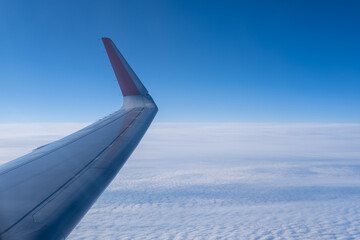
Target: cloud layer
{"points": [[223, 181]]}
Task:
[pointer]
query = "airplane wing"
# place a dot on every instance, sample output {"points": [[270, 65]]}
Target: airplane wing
{"points": [[44, 194]]}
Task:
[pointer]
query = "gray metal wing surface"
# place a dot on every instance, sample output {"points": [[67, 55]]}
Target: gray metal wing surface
{"points": [[44, 194]]}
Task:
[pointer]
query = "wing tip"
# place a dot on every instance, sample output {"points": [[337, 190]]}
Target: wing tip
{"points": [[106, 39], [121, 69]]}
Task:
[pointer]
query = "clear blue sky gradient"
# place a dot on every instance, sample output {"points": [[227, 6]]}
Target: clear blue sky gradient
{"points": [[232, 61]]}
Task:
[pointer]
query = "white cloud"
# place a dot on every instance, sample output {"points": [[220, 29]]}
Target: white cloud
{"points": [[223, 181], [250, 141]]}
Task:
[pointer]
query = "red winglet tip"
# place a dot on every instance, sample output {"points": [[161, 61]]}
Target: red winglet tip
{"points": [[105, 39], [126, 83]]}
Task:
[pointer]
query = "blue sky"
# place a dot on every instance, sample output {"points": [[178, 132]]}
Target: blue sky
{"points": [[222, 61]]}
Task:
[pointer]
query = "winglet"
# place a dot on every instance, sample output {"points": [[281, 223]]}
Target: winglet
{"points": [[129, 83]]}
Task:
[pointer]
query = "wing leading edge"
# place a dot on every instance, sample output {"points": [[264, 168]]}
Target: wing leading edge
{"points": [[44, 194]]}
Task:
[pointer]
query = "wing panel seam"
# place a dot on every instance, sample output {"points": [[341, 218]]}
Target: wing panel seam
{"points": [[64, 145], [83, 169]]}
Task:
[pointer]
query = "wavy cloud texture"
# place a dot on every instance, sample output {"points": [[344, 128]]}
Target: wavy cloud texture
{"points": [[223, 181]]}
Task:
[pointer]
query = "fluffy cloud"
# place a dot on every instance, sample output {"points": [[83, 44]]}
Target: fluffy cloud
{"points": [[223, 181]]}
